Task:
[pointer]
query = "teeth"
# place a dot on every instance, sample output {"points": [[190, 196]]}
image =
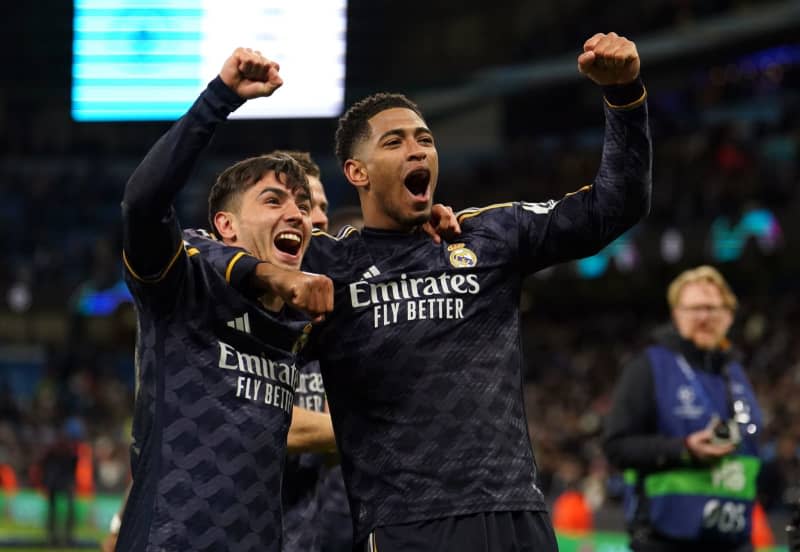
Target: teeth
{"points": [[287, 236]]}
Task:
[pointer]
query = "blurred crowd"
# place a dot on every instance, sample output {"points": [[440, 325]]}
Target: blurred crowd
{"points": [[81, 395]]}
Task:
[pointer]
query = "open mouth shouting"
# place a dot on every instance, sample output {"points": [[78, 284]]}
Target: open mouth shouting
{"points": [[417, 183], [288, 246]]}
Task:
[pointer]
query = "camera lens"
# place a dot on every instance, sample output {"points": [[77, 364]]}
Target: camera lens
{"points": [[722, 431]]}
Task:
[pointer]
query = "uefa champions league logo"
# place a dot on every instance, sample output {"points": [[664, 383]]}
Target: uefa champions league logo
{"points": [[687, 407]]}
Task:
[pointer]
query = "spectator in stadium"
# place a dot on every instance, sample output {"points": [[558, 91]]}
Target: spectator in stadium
{"points": [[684, 425], [217, 369], [58, 476], [421, 357]]}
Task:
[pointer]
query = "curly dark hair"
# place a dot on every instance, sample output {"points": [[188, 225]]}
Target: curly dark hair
{"points": [[238, 178], [354, 124]]}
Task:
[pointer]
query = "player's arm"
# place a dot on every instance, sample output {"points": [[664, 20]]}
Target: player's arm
{"points": [[583, 222], [252, 276], [152, 239], [630, 434], [310, 432], [307, 292]]}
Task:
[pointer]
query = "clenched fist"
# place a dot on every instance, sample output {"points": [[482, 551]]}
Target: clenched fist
{"points": [[609, 59], [250, 74], [304, 291]]}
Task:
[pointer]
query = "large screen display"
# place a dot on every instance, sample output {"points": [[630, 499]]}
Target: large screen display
{"points": [[148, 60]]}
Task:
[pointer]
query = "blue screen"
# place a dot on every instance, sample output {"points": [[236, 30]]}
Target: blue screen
{"points": [[148, 60]]}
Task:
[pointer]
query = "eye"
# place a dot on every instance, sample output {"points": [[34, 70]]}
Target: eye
{"points": [[392, 142], [427, 140], [305, 207]]}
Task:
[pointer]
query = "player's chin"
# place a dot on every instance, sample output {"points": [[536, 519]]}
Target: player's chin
{"points": [[418, 217]]}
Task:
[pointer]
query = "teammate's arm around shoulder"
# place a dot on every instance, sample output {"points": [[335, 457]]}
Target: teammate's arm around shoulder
{"points": [[152, 239], [585, 221]]}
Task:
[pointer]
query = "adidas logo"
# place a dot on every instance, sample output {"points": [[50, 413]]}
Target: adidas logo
{"points": [[241, 323], [371, 272]]}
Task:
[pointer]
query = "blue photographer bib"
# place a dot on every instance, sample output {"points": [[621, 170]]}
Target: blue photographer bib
{"points": [[708, 503]]}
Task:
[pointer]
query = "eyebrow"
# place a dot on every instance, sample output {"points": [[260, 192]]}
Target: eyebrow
{"points": [[300, 195], [274, 189], [400, 132]]}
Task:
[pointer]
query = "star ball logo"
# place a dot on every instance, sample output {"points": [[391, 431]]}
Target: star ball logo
{"points": [[461, 256]]}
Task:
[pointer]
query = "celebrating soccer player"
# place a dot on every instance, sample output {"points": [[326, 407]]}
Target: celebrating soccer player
{"points": [[216, 369], [421, 356]]}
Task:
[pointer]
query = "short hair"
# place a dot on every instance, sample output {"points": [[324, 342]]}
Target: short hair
{"points": [[238, 178], [353, 126], [304, 159], [703, 273]]}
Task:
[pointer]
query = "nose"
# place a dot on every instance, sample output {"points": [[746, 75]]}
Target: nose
{"points": [[292, 213], [416, 152]]}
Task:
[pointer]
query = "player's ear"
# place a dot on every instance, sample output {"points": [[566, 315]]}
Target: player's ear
{"points": [[225, 225], [356, 172]]}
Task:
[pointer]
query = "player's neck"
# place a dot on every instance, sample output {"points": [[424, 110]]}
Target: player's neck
{"points": [[377, 219]]}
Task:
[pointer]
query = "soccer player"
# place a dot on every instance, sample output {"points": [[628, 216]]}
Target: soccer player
{"points": [[421, 356], [307, 483], [216, 368]]}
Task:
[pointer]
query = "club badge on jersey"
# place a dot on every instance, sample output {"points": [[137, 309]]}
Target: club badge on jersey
{"points": [[461, 256]]}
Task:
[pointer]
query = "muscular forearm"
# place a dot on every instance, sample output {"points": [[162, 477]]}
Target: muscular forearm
{"points": [[310, 432]]}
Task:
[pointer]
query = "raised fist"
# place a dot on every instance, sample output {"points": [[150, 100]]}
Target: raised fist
{"points": [[609, 59], [250, 74]]}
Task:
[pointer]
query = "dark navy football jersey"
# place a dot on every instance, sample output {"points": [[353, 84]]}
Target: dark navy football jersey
{"points": [[422, 357], [334, 512], [217, 379], [216, 372], [302, 473]]}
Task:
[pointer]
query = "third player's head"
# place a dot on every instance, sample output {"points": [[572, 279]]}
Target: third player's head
{"points": [[263, 204], [388, 153], [319, 201]]}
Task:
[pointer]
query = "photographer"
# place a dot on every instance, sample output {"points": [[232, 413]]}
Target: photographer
{"points": [[684, 426]]}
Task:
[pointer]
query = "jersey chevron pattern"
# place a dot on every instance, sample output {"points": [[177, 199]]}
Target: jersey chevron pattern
{"points": [[422, 359], [207, 468], [302, 474], [216, 373]]}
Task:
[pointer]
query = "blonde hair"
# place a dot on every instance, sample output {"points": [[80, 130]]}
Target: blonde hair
{"points": [[703, 273]]}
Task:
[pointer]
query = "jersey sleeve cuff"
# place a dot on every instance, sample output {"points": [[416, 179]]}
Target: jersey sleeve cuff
{"points": [[625, 96], [221, 99]]}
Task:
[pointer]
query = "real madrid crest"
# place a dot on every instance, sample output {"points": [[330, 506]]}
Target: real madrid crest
{"points": [[461, 256]]}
